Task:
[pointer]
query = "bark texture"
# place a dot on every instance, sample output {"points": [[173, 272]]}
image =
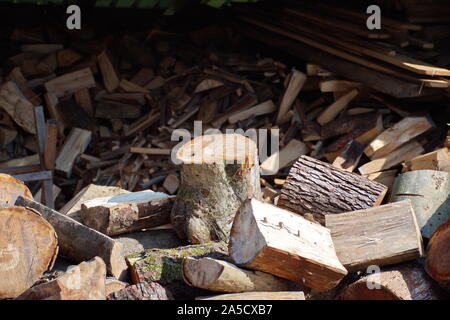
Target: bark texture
{"points": [[215, 180], [142, 291], [317, 188]]}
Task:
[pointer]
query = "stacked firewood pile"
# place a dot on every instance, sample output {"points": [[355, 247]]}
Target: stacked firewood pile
{"points": [[356, 196]]}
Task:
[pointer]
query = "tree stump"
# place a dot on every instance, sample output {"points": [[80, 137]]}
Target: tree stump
{"points": [[11, 188], [438, 256], [218, 173], [28, 248]]}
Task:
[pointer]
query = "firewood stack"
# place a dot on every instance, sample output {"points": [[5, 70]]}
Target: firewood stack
{"points": [[356, 195]]}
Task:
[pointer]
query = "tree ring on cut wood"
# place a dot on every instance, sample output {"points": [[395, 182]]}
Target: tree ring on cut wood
{"points": [[28, 248], [11, 188], [218, 173]]}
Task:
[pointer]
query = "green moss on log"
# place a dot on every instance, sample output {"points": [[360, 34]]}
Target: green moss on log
{"points": [[164, 265]]}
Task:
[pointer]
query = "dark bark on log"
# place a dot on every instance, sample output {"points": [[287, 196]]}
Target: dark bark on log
{"points": [[318, 188]]}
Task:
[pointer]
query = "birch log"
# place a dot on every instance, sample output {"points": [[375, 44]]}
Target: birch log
{"points": [[218, 173]]}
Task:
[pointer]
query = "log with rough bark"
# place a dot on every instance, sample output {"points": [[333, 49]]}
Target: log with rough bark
{"points": [[287, 295], [276, 241], [382, 235], [438, 255], [11, 188], [85, 281], [218, 173], [222, 276], [142, 291], [28, 248], [428, 191], [403, 282], [128, 212], [318, 188], [78, 242]]}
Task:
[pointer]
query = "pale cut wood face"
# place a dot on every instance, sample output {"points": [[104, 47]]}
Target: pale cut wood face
{"points": [[11, 188], [216, 148]]}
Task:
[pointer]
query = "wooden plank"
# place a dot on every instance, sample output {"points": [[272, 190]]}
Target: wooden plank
{"points": [[390, 139], [151, 151], [287, 295], [381, 236]]}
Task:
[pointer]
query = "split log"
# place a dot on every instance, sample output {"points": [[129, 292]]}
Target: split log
{"points": [[13, 101], [142, 291], [28, 248], [331, 112], [74, 145], [258, 110], [405, 152], [438, 255], [164, 265], [85, 281], [78, 242], [218, 173], [11, 188], [428, 191], [71, 82], [317, 188], [288, 295], [113, 285], [296, 82], [110, 78], [349, 158], [382, 235], [404, 282], [90, 192], [222, 276], [437, 160], [390, 139], [258, 241], [284, 157], [128, 212], [384, 177]]}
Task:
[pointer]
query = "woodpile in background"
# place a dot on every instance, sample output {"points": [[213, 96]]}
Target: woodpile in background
{"points": [[361, 178]]}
